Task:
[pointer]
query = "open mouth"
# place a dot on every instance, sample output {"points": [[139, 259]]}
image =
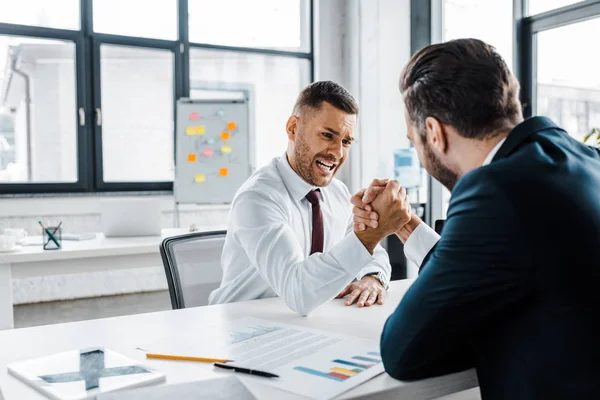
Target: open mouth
{"points": [[326, 166]]}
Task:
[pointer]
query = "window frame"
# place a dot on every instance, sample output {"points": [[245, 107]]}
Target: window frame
{"points": [[88, 91], [528, 28]]}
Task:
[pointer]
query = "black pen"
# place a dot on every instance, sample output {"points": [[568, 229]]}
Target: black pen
{"points": [[246, 370]]}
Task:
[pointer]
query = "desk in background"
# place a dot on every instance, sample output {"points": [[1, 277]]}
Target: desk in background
{"points": [[99, 254], [124, 334]]}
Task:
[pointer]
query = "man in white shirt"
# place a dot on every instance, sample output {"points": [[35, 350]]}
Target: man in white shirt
{"points": [[290, 231]]}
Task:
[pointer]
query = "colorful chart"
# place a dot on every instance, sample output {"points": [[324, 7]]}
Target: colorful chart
{"points": [[345, 369]]}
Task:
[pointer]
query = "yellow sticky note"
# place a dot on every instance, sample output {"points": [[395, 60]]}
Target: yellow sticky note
{"points": [[231, 126], [190, 130], [191, 157], [223, 172], [224, 136], [200, 178], [225, 149], [200, 130]]}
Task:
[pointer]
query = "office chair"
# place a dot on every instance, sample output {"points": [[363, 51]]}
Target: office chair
{"points": [[439, 225], [192, 266]]}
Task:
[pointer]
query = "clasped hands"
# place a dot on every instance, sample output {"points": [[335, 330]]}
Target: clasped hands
{"points": [[379, 211]]}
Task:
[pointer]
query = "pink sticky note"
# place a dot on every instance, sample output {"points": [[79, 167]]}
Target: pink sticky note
{"points": [[194, 116], [208, 152]]}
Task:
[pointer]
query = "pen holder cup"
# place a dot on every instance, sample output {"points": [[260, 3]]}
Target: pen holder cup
{"points": [[52, 238]]}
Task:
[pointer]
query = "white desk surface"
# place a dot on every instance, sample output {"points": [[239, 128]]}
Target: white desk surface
{"points": [[97, 247], [124, 334]]}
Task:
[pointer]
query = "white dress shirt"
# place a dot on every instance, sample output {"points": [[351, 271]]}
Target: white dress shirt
{"points": [[423, 238], [266, 251]]}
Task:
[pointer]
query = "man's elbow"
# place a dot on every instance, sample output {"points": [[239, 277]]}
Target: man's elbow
{"points": [[299, 306], [398, 361]]}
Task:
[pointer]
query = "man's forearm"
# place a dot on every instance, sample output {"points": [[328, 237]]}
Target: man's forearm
{"points": [[370, 238], [404, 232]]}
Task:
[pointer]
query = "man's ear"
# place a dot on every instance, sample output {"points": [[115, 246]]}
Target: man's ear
{"points": [[436, 135], [291, 126]]}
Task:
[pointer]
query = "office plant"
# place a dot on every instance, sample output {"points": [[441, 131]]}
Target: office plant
{"points": [[593, 138]]}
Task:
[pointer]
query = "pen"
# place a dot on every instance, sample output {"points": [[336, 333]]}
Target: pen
{"points": [[185, 358], [57, 228], [50, 235], [246, 370]]}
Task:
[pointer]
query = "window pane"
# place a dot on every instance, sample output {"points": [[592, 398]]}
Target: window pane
{"points": [[276, 82], [62, 14], [271, 24], [137, 114], [490, 21], [137, 18], [568, 83], [540, 6], [38, 110]]}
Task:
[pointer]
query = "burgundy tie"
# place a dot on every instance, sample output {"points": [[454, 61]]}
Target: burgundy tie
{"points": [[314, 198]]}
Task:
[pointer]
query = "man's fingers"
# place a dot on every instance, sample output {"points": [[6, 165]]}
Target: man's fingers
{"points": [[393, 187], [402, 193], [373, 190], [372, 299], [359, 227], [382, 297], [366, 221], [343, 292], [363, 298], [369, 215], [352, 297], [371, 193], [356, 200]]}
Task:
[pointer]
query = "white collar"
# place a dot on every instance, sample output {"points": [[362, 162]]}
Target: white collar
{"points": [[294, 183], [493, 152]]}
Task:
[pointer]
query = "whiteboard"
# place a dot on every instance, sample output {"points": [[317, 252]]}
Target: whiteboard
{"points": [[213, 141]]}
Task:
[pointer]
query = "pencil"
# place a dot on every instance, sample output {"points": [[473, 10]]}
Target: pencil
{"points": [[185, 358]]}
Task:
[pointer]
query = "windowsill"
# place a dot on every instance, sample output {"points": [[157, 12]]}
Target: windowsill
{"points": [[84, 203]]}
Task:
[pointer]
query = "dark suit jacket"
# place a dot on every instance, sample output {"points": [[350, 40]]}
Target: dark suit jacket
{"points": [[512, 287]]}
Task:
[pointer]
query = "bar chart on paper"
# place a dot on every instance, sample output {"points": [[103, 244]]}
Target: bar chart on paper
{"points": [[310, 362], [344, 369]]}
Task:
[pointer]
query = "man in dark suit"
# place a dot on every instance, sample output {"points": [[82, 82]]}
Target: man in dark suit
{"points": [[511, 287]]}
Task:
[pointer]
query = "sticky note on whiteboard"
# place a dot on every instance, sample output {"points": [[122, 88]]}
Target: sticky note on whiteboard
{"points": [[194, 116], [190, 130], [231, 126], [200, 178], [226, 149], [208, 152], [191, 157], [200, 130], [223, 172], [225, 136]]}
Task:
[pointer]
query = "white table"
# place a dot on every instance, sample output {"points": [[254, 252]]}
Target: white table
{"points": [[99, 254], [124, 334]]}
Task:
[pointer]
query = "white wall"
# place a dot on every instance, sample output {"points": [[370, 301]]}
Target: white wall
{"points": [[364, 45]]}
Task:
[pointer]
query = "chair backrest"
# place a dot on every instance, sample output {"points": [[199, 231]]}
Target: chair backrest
{"points": [[439, 225], [193, 266]]}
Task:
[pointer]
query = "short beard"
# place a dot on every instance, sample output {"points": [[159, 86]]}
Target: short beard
{"points": [[438, 170], [304, 162]]}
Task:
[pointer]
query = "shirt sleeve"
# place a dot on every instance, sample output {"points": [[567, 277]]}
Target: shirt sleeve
{"points": [[380, 264], [419, 243], [261, 227]]}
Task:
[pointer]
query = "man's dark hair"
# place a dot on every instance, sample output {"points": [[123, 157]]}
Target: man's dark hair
{"points": [[316, 93], [464, 83]]}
